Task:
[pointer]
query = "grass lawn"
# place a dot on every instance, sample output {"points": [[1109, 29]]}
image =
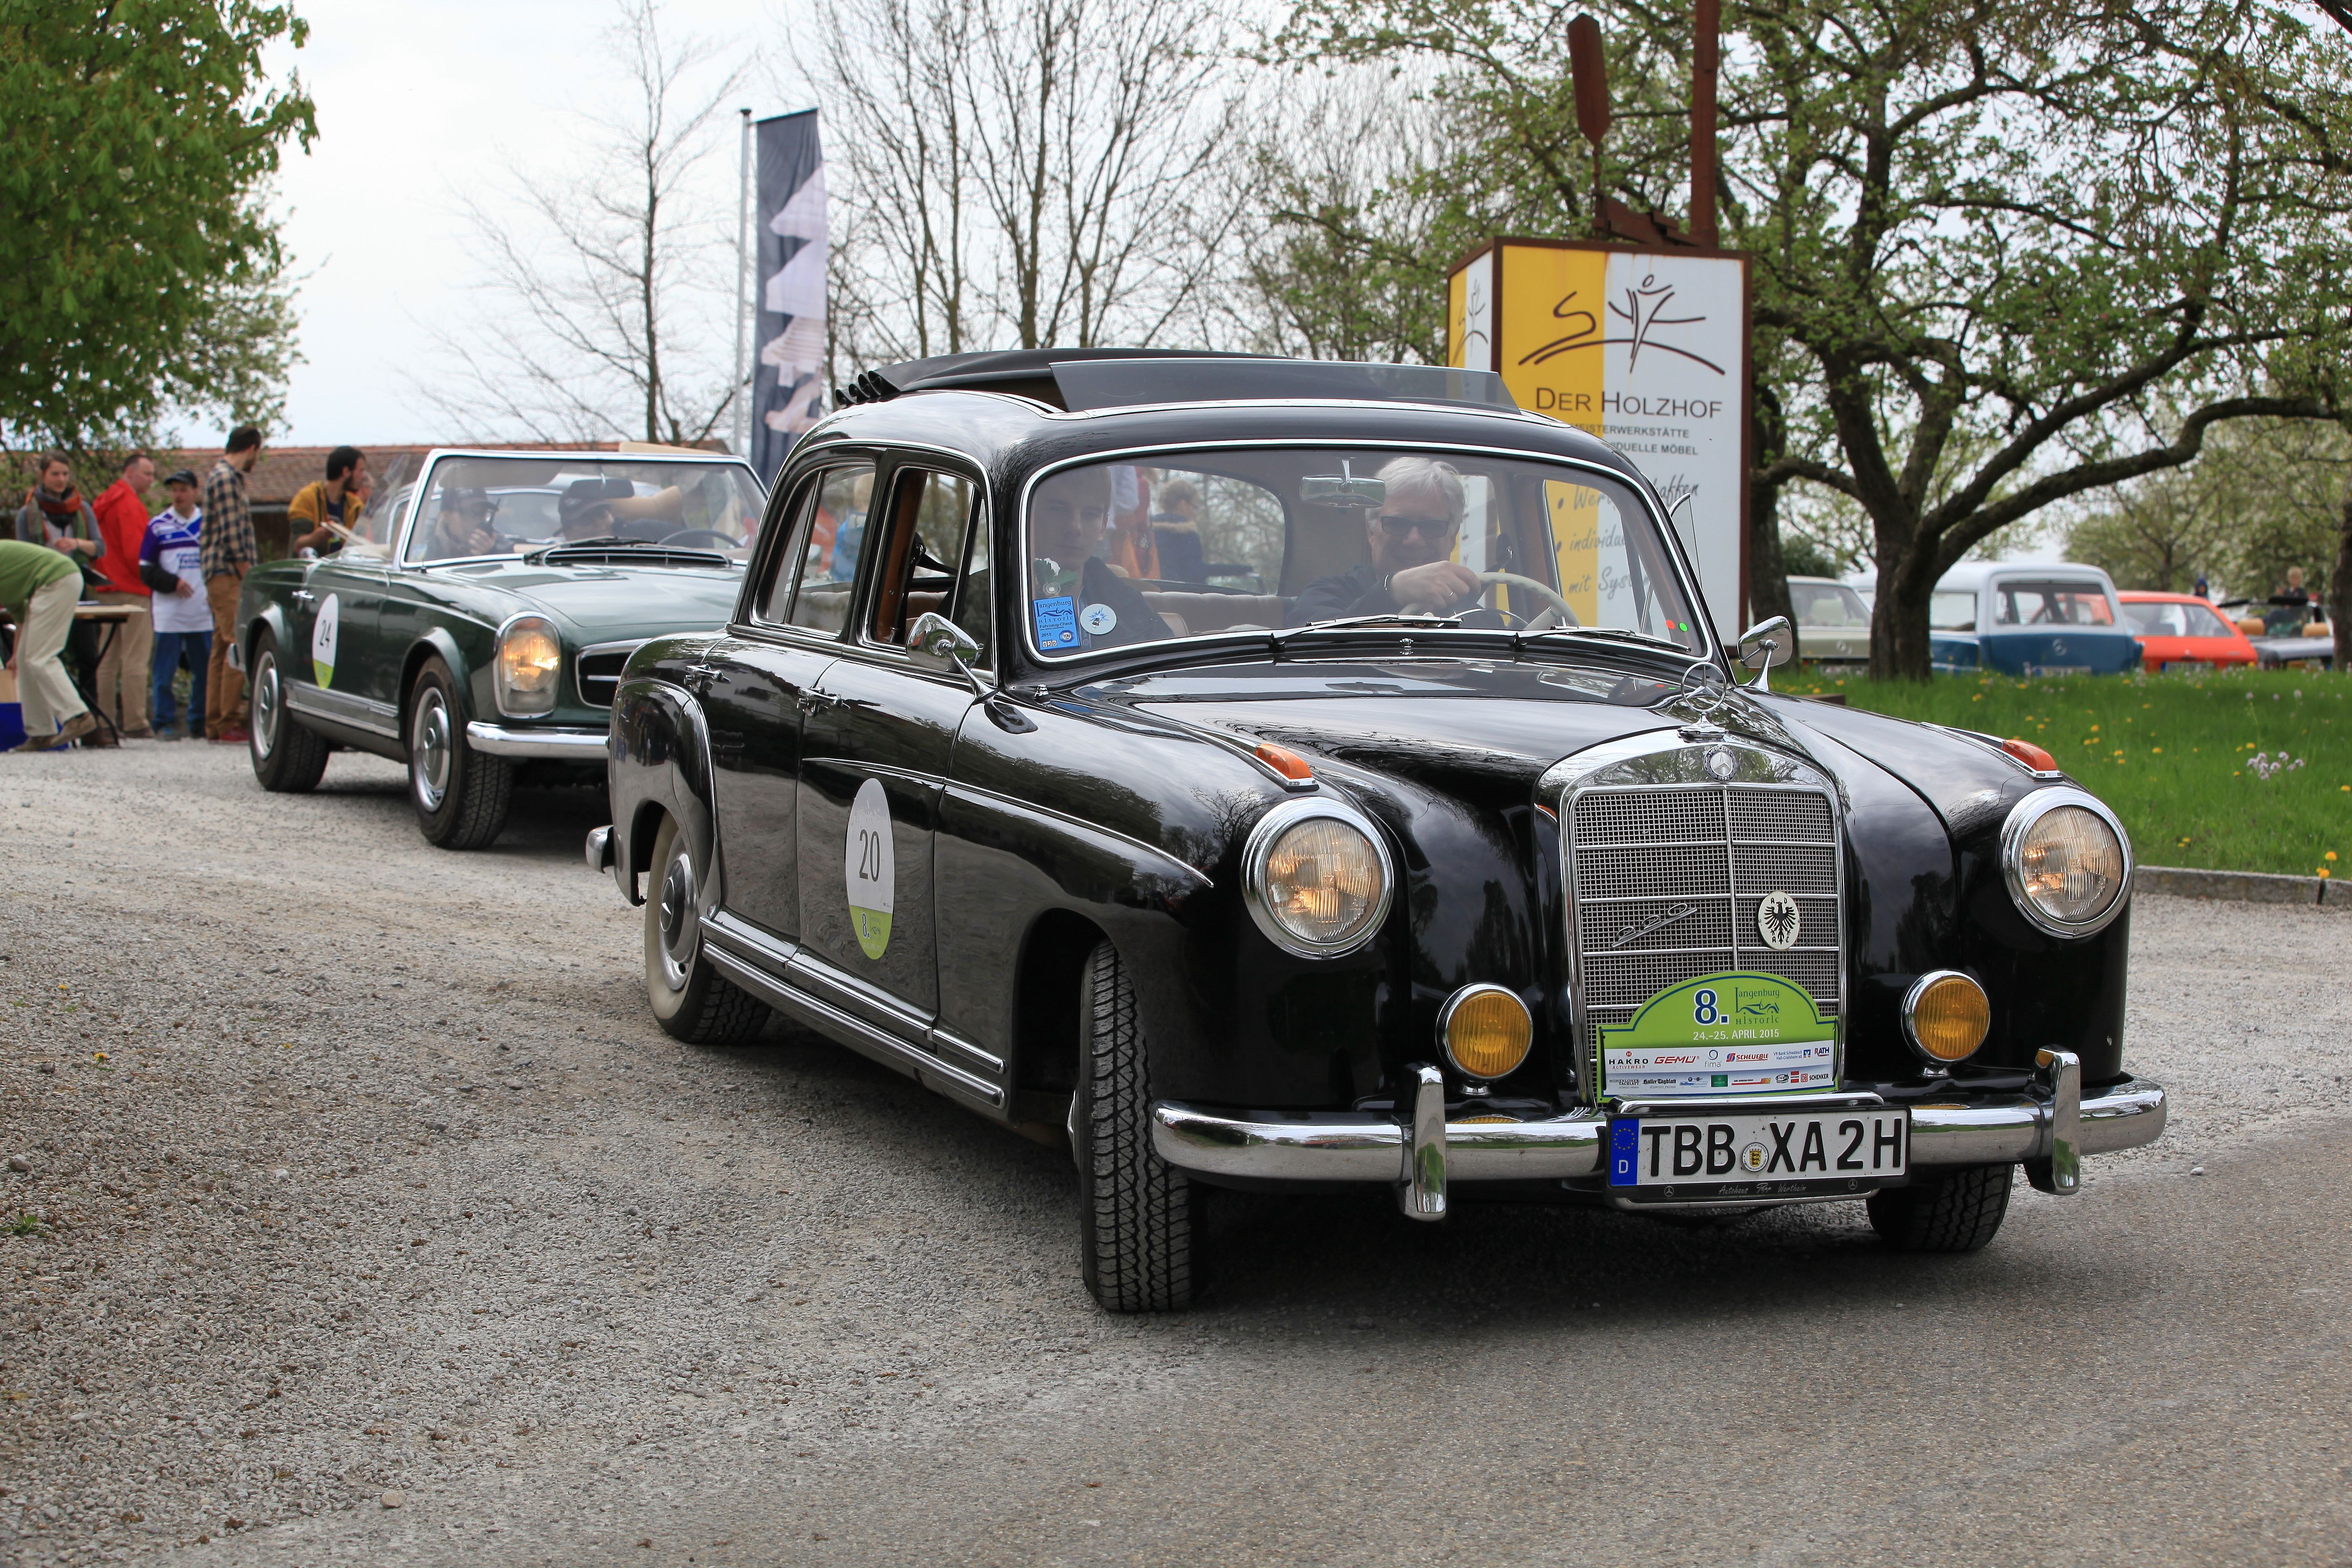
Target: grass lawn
{"points": [[2175, 755]]}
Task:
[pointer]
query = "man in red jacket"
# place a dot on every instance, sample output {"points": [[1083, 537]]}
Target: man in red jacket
{"points": [[122, 677]]}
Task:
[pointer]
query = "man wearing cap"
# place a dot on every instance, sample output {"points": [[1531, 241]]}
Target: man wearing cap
{"points": [[334, 500], [229, 552], [170, 563], [122, 676], [464, 525]]}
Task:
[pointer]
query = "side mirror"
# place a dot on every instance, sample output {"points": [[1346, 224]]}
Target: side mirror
{"points": [[1766, 644]]}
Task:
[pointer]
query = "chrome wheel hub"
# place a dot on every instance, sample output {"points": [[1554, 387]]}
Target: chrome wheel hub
{"points": [[679, 922], [431, 748], [266, 697]]}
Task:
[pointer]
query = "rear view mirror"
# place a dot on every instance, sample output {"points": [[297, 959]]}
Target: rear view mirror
{"points": [[1342, 488]]}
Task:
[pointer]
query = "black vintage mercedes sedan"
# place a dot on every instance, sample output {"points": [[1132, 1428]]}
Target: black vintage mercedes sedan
{"points": [[1280, 775]]}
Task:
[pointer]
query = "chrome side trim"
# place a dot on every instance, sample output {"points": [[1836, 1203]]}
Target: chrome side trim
{"points": [[2002, 1130], [867, 1039], [562, 745], [784, 974], [344, 707]]}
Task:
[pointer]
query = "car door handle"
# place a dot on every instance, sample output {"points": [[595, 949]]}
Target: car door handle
{"points": [[814, 703], [302, 593]]}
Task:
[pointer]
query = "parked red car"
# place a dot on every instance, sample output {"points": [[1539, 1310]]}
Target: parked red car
{"points": [[2183, 631]]}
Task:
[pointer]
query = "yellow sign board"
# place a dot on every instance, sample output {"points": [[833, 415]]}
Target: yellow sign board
{"points": [[1649, 351]]}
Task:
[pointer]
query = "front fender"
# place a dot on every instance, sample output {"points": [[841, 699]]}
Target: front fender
{"points": [[438, 640], [256, 613], [658, 760]]}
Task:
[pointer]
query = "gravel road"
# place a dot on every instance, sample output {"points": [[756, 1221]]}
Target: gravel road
{"points": [[371, 1219]]}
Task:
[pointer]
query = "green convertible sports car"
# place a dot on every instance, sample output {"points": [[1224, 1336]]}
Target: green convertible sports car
{"points": [[473, 622]]}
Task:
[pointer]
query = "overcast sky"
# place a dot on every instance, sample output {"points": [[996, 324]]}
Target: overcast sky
{"points": [[417, 97]]}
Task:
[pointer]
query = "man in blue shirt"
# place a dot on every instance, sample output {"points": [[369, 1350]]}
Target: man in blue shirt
{"points": [[170, 563]]}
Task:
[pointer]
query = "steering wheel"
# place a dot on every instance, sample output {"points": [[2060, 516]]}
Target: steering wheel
{"points": [[698, 535], [1558, 614]]}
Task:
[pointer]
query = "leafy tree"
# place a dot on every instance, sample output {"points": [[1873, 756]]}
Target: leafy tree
{"points": [[143, 272], [2265, 495], [2005, 255]]}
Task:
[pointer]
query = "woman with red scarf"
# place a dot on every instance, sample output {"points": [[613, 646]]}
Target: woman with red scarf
{"points": [[53, 514]]}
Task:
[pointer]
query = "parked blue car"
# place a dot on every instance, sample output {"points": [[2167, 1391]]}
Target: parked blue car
{"points": [[2029, 619]]}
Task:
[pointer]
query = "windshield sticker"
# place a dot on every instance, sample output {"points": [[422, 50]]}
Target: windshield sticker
{"points": [[1735, 1033], [872, 867], [1058, 623], [1099, 619], [323, 637]]}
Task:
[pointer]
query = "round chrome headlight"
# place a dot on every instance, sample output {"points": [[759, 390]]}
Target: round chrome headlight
{"points": [[2067, 860], [1316, 878], [524, 668]]}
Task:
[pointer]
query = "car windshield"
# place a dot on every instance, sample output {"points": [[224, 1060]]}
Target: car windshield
{"points": [[1192, 544], [1828, 605], [2173, 619], [477, 507], [2062, 604], [1952, 610]]}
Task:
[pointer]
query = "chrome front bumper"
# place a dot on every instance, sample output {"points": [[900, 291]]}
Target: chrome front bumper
{"points": [[1421, 1153], [550, 745]]}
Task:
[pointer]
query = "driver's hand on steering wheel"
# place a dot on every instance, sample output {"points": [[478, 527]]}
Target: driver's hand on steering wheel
{"points": [[1435, 584]]}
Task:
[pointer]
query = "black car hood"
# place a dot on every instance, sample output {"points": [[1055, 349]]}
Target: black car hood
{"points": [[1495, 726], [1442, 722]]}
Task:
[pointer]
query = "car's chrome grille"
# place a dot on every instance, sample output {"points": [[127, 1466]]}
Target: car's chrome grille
{"points": [[1667, 882], [599, 675]]}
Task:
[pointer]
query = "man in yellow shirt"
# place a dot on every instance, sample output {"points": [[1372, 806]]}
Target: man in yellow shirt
{"points": [[338, 497]]}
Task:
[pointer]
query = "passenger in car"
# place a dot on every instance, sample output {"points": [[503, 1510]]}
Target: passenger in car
{"points": [[1077, 599], [1412, 532]]}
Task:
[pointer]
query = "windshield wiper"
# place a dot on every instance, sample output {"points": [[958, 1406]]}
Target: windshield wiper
{"points": [[1617, 634], [1389, 618]]}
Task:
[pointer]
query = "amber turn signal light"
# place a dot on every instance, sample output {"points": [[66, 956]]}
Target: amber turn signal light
{"points": [[1947, 1016], [1285, 761], [2032, 755], [1485, 1030]]}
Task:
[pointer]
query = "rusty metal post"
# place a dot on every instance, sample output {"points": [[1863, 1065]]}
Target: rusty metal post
{"points": [[1589, 76], [1703, 61]]}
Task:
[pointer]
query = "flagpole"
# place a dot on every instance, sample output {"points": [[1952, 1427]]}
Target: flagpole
{"points": [[742, 287]]}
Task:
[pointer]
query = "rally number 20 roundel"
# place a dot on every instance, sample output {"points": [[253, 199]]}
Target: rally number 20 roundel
{"points": [[871, 868]]}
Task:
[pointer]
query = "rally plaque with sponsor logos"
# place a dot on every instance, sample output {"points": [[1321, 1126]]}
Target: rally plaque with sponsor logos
{"points": [[1730, 1036]]}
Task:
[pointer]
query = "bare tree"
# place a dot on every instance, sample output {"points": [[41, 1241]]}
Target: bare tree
{"points": [[1022, 173], [609, 284]]}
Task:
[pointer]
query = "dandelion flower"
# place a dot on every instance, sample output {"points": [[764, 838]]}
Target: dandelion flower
{"points": [[2329, 856]]}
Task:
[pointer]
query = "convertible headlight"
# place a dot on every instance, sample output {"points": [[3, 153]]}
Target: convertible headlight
{"points": [[1316, 879], [524, 668], [2067, 861]]}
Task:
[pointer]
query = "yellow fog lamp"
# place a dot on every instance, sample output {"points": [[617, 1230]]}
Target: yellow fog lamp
{"points": [[1946, 1017], [1486, 1031], [523, 670]]}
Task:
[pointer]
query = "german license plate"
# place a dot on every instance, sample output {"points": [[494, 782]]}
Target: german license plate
{"points": [[1721, 1159]]}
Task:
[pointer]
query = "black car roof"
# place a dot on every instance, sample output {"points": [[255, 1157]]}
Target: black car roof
{"points": [[1010, 435]]}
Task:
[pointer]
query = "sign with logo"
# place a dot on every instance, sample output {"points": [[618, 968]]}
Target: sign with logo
{"points": [[1647, 350], [1734, 1033], [324, 635]]}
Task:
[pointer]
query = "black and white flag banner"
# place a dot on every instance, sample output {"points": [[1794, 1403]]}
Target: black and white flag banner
{"points": [[788, 383]]}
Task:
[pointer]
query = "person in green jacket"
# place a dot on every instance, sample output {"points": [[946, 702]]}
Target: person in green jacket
{"points": [[39, 587]]}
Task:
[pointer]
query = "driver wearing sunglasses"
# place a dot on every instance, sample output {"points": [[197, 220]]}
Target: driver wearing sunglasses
{"points": [[1410, 533]]}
